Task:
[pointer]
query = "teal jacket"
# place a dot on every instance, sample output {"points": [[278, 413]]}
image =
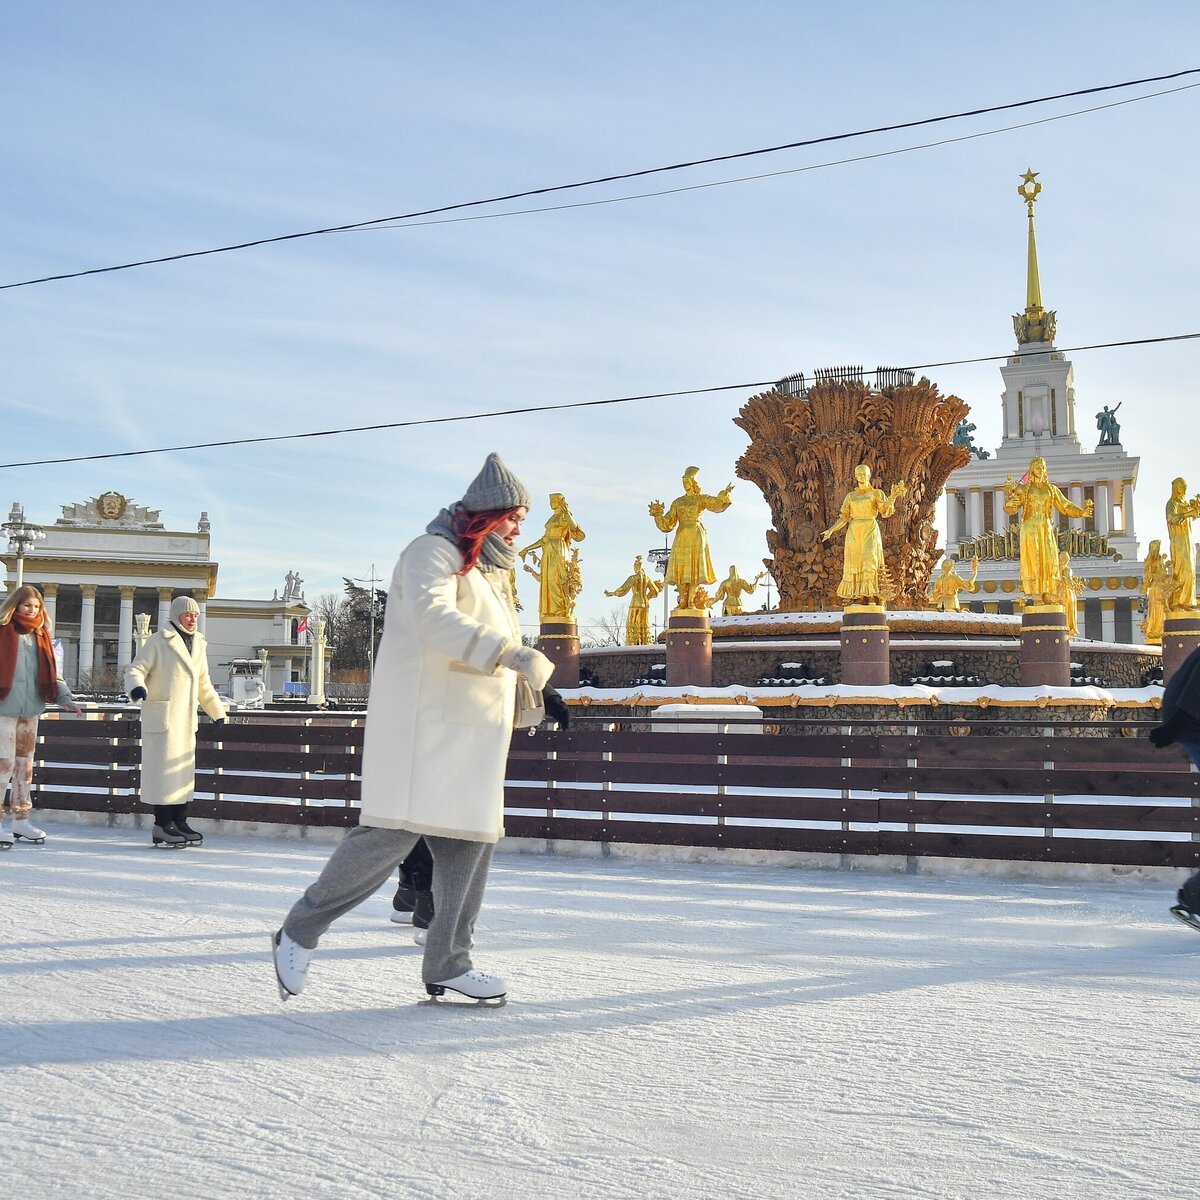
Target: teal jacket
{"points": [[24, 699]]}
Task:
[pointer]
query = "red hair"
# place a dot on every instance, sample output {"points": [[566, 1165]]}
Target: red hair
{"points": [[473, 528]]}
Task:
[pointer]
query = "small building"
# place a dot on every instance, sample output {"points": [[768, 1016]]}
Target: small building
{"points": [[108, 570]]}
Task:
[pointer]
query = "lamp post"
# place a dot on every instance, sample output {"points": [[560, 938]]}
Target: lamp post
{"points": [[659, 556], [372, 580], [21, 535]]}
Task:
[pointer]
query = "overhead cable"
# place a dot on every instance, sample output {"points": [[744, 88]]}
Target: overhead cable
{"points": [[539, 408], [615, 178]]}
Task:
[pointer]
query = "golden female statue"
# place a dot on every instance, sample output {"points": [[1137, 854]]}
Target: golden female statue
{"points": [[863, 572], [1035, 500], [558, 571], [949, 583], [1156, 587], [641, 589], [690, 564], [1183, 568], [733, 588], [1069, 591]]}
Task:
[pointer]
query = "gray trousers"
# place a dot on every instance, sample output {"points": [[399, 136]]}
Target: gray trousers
{"points": [[366, 859]]}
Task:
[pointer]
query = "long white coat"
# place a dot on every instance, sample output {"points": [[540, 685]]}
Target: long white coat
{"points": [[176, 684], [440, 715]]}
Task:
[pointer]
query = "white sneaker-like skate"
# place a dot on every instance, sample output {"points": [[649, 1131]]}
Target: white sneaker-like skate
{"points": [[25, 830], [478, 986], [291, 964]]}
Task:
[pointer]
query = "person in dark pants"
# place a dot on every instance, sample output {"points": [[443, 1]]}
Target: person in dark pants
{"points": [[1181, 723]]}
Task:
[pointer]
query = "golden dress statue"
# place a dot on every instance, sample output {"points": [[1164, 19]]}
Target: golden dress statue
{"points": [[1035, 500], [949, 583], [641, 589], [690, 563], [733, 587], [1069, 591], [864, 576], [556, 565], [1183, 567], [1156, 587]]}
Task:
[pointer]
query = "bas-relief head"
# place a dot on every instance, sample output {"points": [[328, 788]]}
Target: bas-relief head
{"points": [[862, 473]]}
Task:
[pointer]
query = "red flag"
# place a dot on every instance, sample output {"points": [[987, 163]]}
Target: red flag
{"points": [[303, 626]]}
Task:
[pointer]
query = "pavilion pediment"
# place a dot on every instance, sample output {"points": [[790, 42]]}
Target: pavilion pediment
{"points": [[110, 510]]}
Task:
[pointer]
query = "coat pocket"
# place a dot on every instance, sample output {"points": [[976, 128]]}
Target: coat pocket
{"points": [[155, 716], [473, 699]]}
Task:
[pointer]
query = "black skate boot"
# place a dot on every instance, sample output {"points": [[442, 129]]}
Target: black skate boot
{"points": [[168, 837], [403, 903], [1188, 908], [194, 836], [422, 916]]}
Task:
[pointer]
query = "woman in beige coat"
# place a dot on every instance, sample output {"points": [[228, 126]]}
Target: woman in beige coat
{"points": [[169, 678], [439, 721]]}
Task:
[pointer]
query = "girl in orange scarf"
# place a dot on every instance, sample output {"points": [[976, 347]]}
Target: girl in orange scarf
{"points": [[28, 682]]}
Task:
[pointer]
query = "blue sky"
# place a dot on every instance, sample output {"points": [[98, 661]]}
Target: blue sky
{"points": [[139, 129]]}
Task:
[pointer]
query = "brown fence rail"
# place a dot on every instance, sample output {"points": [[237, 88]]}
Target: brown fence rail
{"points": [[1055, 798]]}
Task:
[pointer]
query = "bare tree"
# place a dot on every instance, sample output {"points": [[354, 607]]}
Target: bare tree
{"points": [[605, 630]]}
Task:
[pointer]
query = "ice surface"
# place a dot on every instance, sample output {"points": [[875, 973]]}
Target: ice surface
{"points": [[674, 1030]]}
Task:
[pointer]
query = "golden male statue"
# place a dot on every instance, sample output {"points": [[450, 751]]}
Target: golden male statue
{"points": [[641, 589], [690, 564], [949, 583], [733, 587]]}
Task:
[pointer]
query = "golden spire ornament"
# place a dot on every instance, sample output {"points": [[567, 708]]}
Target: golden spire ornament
{"points": [[1035, 324]]}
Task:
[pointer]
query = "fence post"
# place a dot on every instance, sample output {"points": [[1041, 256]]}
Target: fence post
{"points": [[844, 862], [911, 861], [1048, 797]]}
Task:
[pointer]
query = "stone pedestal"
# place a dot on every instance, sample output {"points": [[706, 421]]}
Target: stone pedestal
{"points": [[865, 645], [559, 642], [689, 651], [1045, 646], [1181, 635]]}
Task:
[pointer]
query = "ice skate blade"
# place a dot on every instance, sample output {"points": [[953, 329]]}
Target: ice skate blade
{"points": [[163, 844], [1190, 919], [461, 1000], [20, 837], [6, 845]]}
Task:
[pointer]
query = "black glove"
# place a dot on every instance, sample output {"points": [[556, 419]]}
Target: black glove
{"points": [[218, 720], [138, 693], [556, 707]]}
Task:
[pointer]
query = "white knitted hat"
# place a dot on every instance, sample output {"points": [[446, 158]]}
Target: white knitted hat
{"points": [[495, 488], [182, 604]]}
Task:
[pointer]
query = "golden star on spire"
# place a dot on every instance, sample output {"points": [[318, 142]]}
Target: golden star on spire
{"points": [[1030, 175]]}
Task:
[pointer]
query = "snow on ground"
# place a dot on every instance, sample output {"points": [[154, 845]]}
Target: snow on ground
{"points": [[674, 1029]]}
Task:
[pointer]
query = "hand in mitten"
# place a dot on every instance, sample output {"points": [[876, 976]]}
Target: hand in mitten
{"points": [[138, 693], [556, 707], [531, 663]]}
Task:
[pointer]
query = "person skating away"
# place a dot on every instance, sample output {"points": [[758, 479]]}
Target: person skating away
{"points": [[169, 679], [439, 721], [29, 680], [1180, 713]]}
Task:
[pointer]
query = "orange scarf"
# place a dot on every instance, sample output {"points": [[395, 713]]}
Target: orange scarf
{"points": [[47, 665]]}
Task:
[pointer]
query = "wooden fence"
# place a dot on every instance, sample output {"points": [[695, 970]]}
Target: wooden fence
{"points": [[1059, 798]]}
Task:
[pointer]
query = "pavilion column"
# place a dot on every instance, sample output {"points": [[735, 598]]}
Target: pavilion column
{"points": [[1103, 508], [164, 608], [1114, 490], [953, 532], [1076, 496], [1108, 620], [999, 516], [1127, 508], [50, 600], [125, 627], [200, 595], [87, 629], [974, 512]]}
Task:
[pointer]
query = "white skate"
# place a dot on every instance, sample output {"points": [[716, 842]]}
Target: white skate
{"points": [[25, 830], [291, 964], [488, 990]]}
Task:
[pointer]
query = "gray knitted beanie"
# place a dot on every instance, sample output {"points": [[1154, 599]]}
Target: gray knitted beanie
{"points": [[495, 488], [180, 605]]}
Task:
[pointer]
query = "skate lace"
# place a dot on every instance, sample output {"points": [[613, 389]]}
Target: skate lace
{"points": [[480, 976], [299, 958]]}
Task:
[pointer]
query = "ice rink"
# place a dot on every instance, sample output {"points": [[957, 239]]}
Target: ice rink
{"points": [[673, 1030]]}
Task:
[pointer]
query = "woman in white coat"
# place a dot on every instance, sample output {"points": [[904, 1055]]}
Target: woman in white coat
{"points": [[439, 721], [169, 678]]}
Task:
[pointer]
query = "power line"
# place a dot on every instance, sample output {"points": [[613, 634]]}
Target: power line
{"points": [[822, 166], [640, 174], [540, 408]]}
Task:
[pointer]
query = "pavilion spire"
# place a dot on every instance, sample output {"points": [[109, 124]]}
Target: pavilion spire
{"points": [[1035, 324]]}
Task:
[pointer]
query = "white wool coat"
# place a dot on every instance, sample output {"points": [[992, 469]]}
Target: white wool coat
{"points": [[176, 684], [440, 714]]}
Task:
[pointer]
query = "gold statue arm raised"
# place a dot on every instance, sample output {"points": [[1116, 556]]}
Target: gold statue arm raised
{"points": [[624, 589]]}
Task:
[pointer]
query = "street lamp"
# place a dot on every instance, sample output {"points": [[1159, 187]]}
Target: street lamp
{"points": [[21, 535], [371, 579], [660, 556]]}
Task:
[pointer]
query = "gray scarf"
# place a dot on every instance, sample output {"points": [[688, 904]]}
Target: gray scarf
{"points": [[497, 554]]}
